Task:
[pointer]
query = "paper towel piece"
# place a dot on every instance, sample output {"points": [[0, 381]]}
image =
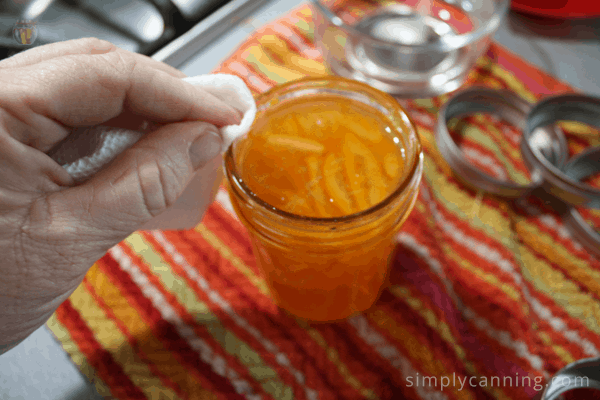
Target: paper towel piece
{"points": [[86, 150]]}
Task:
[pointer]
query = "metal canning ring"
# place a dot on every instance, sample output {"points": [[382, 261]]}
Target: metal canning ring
{"points": [[513, 109], [555, 181], [577, 375], [579, 167]]}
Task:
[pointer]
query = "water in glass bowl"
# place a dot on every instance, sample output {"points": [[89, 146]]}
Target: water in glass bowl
{"points": [[413, 48]]}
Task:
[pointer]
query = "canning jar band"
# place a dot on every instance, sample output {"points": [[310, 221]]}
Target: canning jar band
{"points": [[514, 110], [582, 374], [571, 107], [580, 167]]}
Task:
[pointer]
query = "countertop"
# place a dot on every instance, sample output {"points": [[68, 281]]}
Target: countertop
{"points": [[39, 369]]}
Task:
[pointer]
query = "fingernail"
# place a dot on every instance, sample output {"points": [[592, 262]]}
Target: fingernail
{"points": [[240, 115], [206, 147]]}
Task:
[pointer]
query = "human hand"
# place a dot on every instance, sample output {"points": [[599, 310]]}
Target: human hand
{"points": [[51, 230]]}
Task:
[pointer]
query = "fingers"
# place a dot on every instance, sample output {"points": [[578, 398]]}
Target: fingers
{"points": [[42, 101], [42, 53], [141, 183], [25, 170], [89, 46]]}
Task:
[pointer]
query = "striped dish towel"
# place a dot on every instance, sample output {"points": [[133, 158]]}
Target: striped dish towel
{"points": [[483, 302]]}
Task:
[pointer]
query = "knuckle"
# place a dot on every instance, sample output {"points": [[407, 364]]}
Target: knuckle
{"points": [[191, 93], [113, 71], [96, 44], [120, 62], [160, 180]]}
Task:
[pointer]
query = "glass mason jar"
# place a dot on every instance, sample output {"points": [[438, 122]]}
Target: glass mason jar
{"points": [[325, 269]]}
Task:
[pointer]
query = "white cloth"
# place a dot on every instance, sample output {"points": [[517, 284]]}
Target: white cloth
{"points": [[87, 150]]}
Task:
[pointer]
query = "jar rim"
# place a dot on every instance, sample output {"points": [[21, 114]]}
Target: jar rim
{"points": [[381, 97]]}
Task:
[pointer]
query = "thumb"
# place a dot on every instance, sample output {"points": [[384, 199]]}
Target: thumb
{"points": [[141, 182]]}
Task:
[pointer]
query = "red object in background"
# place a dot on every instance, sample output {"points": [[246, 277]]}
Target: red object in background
{"points": [[559, 8]]}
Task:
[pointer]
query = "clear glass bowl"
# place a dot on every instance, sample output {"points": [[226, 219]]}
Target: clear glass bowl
{"points": [[412, 48]]}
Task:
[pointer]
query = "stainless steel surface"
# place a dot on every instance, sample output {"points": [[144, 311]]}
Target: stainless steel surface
{"points": [[514, 110], [137, 17], [577, 375], [39, 369], [143, 26], [568, 50], [35, 9], [62, 22], [25, 9], [194, 8], [28, 11], [181, 49]]}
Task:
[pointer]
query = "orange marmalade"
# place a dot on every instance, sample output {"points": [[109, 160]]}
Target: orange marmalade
{"points": [[322, 182], [325, 157]]}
